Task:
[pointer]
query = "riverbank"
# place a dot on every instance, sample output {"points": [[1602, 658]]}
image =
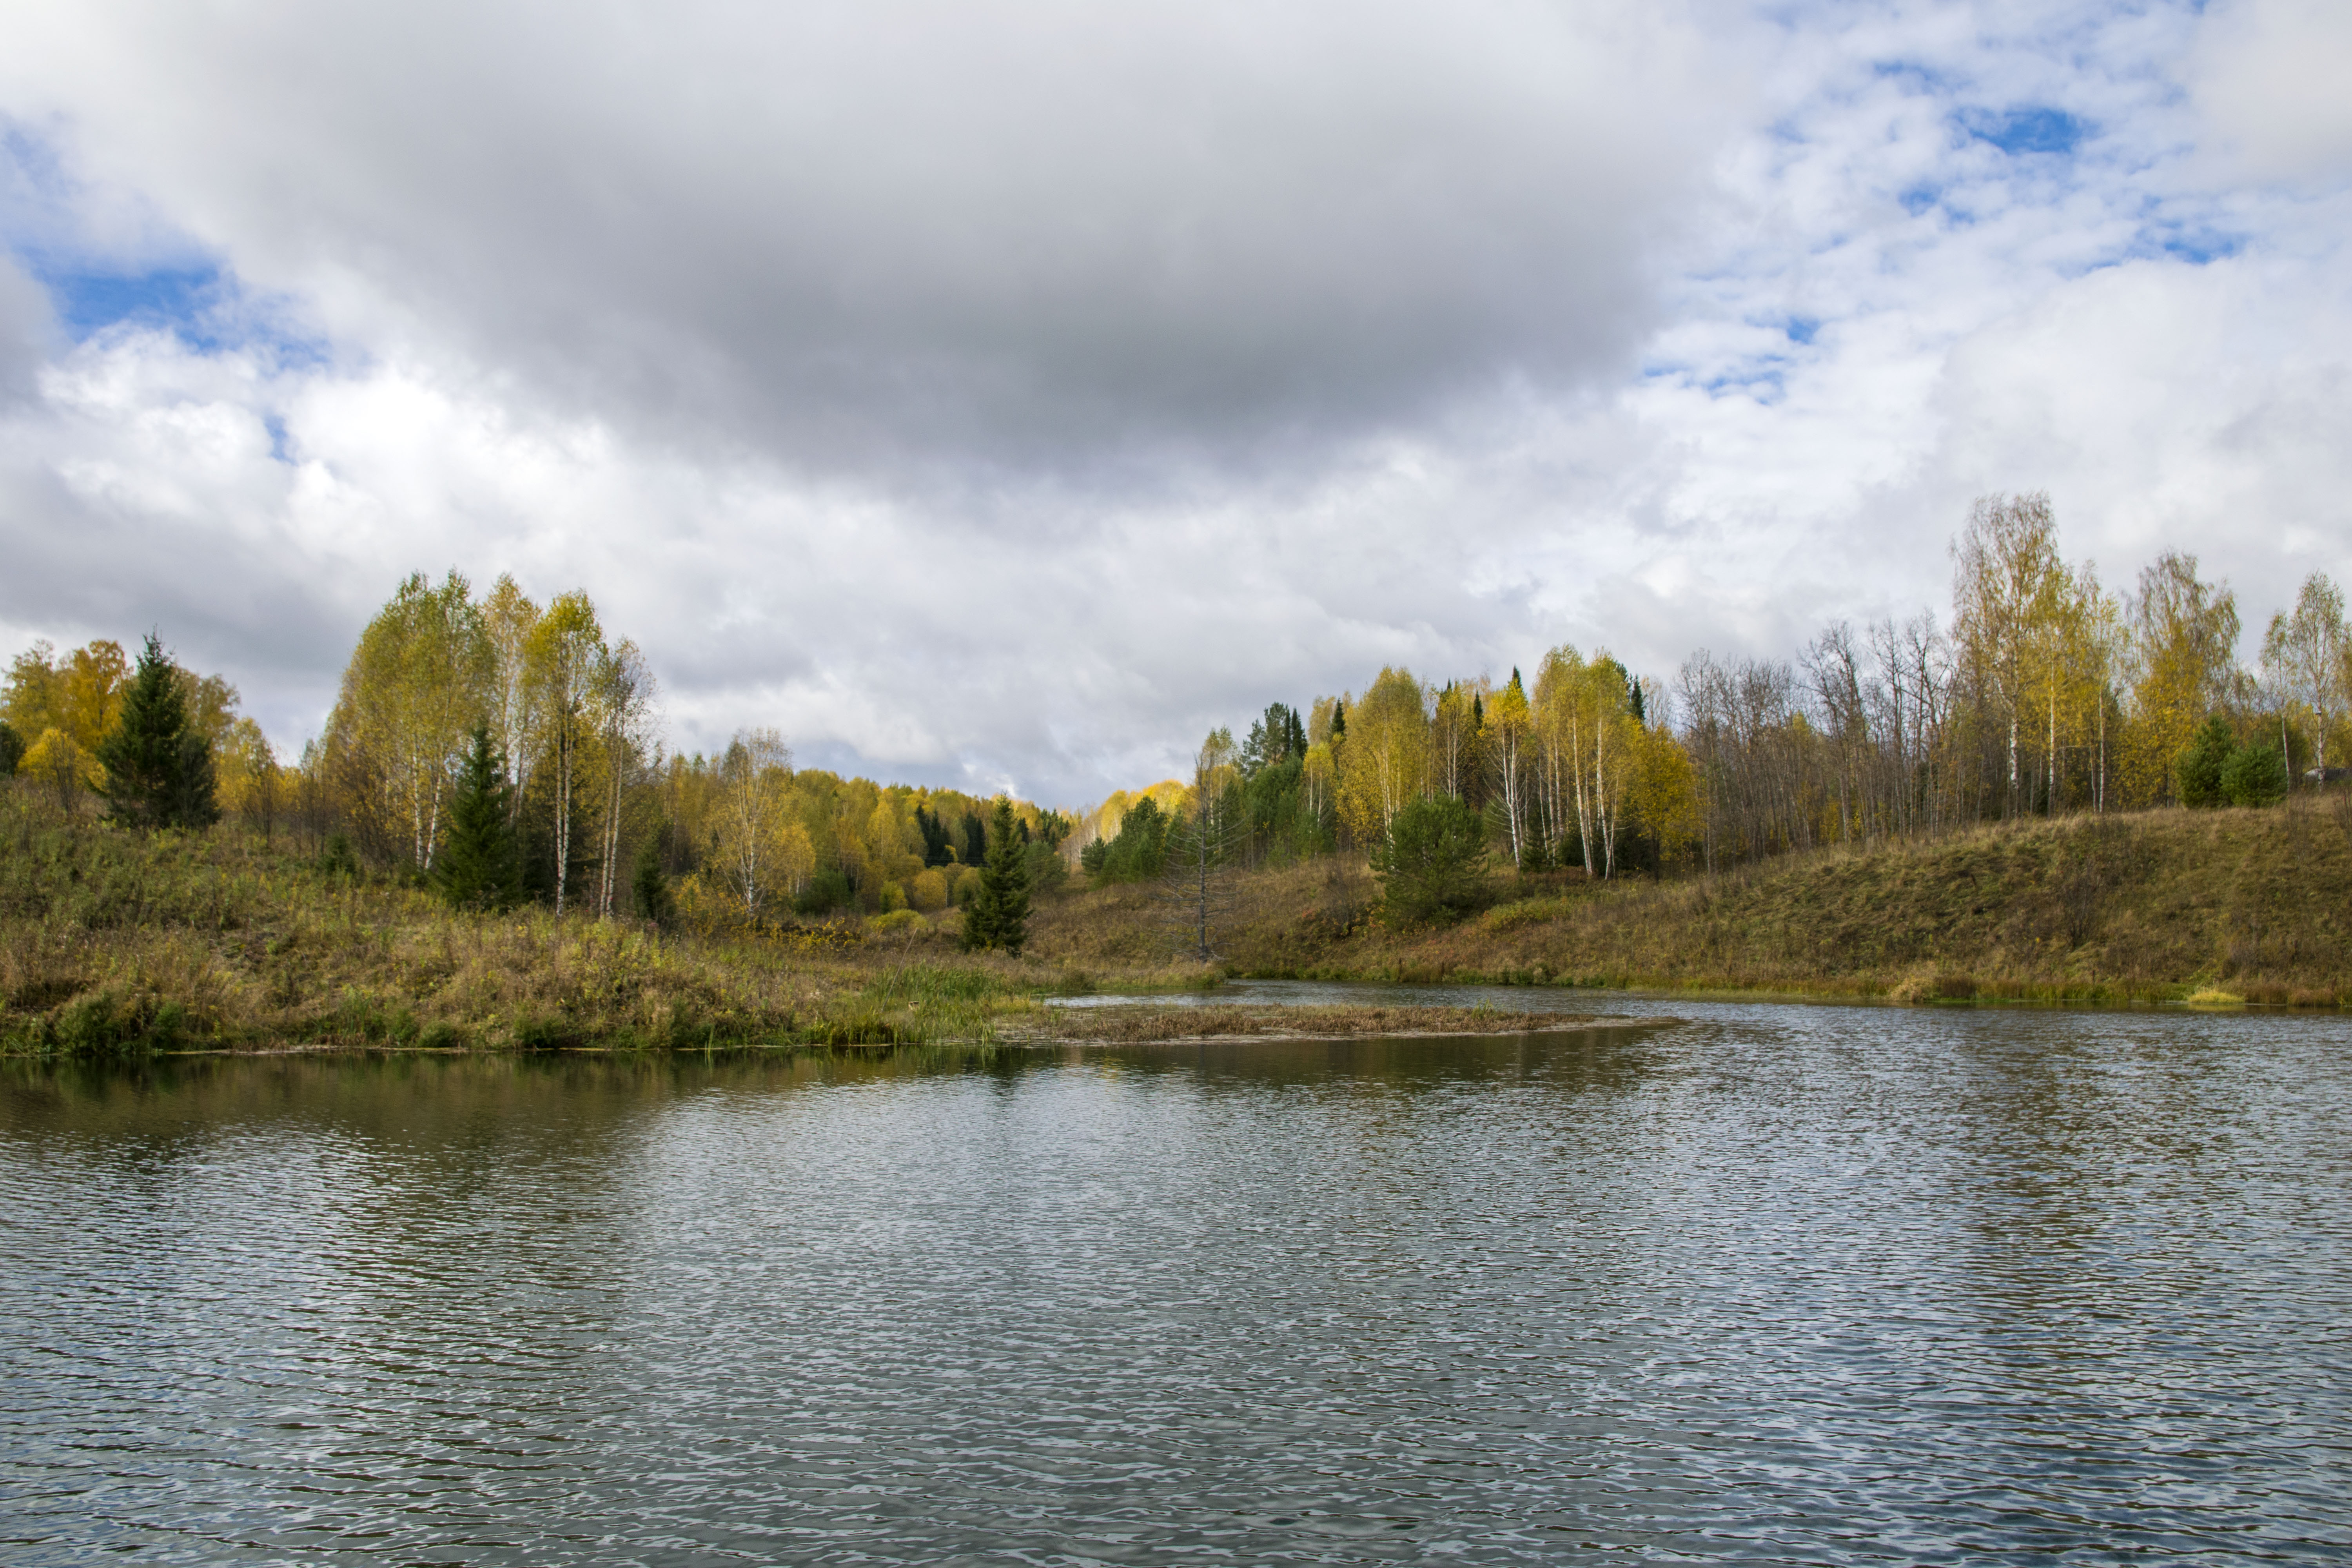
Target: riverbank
{"points": [[2161, 906], [119, 943]]}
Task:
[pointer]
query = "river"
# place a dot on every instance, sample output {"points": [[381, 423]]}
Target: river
{"points": [[1774, 1283]]}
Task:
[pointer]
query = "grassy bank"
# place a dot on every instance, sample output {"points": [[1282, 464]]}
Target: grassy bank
{"points": [[115, 941], [112, 942], [2157, 906]]}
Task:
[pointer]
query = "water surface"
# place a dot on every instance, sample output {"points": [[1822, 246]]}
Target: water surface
{"points": [[1775, 1284]]}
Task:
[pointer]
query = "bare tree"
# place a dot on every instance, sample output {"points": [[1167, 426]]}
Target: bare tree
{"points": [[1204, 847]]}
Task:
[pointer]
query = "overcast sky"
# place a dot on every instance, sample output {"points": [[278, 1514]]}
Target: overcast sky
{"points": [[1001, 393]]}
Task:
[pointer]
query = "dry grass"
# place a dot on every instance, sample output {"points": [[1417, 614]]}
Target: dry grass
{"points": [[114, 941], [1144, 1024], [2148, 906]]}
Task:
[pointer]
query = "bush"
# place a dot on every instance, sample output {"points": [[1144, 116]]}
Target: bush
{"points": [[2197, 771], [895, 920], [2254, 775], [1431, 865], [826, 891]]}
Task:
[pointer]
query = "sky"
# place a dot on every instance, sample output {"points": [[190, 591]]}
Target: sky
{"points": [[1001, 393]]}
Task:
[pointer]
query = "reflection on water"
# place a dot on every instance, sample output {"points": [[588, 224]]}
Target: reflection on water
{"points": [[1779, 1284]]}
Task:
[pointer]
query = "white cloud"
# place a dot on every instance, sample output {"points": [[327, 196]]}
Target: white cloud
{"points": [[1014, 401], [2271, 75]]}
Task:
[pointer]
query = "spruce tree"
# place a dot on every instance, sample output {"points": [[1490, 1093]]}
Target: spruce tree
{"points": [[2197, 770], [651, 887], [159, 770], [997, 915], [479, 868]]}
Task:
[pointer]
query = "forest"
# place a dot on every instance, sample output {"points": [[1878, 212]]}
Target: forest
{"points": [[2041, 692]]}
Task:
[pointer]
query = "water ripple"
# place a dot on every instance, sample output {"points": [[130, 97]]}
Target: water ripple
{"points": [[1779, 1285]]}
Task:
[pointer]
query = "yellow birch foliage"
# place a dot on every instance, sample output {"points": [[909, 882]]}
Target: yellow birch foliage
{"points": [[1384, 756]]}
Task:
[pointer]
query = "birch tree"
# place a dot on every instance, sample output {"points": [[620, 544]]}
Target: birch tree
{"points": [[622, 700], [1384, 759], [2006, 575], [1509, 722], [566, 650], [2182, 650], [2307, 650], [751, 851], [510, 619], [414, 687]]}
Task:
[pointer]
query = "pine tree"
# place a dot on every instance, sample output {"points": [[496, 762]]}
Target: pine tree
{"points": [[997, 915], [159, 771], [479, 868]]}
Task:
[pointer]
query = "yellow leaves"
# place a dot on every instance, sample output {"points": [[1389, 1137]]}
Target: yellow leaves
{"points": [[929, 890], [1665, 793], [1384, 759], [78, 694], [1507, 711], [60, 763], [246, 772]]}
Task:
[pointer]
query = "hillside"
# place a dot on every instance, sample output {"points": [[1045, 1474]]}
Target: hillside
{"points": [[2149, 905]]}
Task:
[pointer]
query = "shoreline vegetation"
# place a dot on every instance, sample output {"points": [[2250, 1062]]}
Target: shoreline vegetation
{"points": [[2055, 794], [117, 943]]}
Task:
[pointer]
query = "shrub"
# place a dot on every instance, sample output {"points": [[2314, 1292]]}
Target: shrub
{"points": [[826, 891]]}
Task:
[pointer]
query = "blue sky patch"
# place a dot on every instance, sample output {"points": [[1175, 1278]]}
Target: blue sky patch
{"points": [[2034, 128], [181, 299]]}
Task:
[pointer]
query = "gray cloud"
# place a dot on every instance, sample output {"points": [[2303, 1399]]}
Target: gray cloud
{"points": [[1009, 392], [1028, 234]]}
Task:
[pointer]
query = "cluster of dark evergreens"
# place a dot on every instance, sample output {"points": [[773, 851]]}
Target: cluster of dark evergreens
{"points": [[2218, 770]]}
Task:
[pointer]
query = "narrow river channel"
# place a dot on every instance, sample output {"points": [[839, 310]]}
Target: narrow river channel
{"points": [[1774, 1283]]}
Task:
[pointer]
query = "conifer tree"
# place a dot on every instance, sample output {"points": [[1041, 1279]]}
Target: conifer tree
{"points": [[480, 867], [159, 770], [651, 887], [12, 748], [997, 915]]}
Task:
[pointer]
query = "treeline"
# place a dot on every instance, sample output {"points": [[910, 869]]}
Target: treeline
{"points": [[562, 723], [2043, 692]]}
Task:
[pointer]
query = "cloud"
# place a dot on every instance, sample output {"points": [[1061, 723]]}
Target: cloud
{"points": [[2270, 79], [1012, 393], [1035, 233]]}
